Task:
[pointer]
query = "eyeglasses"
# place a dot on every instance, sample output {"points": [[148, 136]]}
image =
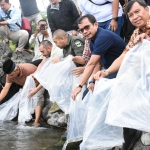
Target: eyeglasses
{"points": [[87, 27]]}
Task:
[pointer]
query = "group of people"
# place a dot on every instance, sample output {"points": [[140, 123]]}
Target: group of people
{"points": [[94, 40]]}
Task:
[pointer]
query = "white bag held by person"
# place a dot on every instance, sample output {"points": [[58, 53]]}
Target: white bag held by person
{"points": [[27, 105], [98, 135], [129, 101], [9, 109], [77, 119], [58, 79]]}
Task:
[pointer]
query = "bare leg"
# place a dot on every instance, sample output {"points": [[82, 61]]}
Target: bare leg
{"points": [[38, 112]]}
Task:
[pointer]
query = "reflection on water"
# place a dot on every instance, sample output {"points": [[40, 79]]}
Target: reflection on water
{"points": [[18, 137]]}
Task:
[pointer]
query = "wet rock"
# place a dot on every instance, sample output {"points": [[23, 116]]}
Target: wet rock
{"points": [[140, 146], [47, 105], [53, 120]]}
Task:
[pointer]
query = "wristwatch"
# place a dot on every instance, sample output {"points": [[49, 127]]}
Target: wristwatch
{"points": [[107, 70], [80, 86], [115, 18], [91, 81]]}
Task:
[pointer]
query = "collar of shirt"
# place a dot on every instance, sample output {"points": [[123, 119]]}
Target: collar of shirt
{"points": [[145, 29], [69, 39], [53, 6]]}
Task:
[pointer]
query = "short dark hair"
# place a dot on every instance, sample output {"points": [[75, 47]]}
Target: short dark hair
{"points": [[6, 1], [60, 33], [91, 18], [46, 43], [42, 20], [130, 4]]}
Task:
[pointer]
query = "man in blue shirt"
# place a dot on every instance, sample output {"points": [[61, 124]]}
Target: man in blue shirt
{"points": [[10, 22], [105, 46]]}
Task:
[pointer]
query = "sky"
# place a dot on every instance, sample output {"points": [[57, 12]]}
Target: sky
{"points": [[41, 6]]}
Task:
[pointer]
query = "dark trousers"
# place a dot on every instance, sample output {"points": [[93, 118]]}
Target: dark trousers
{"points": [[13, 90]]}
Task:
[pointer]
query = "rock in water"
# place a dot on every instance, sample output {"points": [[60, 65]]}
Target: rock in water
{"points": [[139, 146]]}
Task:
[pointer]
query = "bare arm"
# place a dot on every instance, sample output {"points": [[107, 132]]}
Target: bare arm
{"points": [[4, 23], [86, 74], [78, 59], [5, 90], [116, 64], [92, 82], [112, 69], [33, 91], [113, 23], [89, 68], [40, 65], [97, 68]]}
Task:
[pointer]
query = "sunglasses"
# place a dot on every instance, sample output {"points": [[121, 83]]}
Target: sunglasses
{"points": [[87, 27]]}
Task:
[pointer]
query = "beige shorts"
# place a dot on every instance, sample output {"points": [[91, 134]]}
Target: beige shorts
{"points": [[40, 97]]}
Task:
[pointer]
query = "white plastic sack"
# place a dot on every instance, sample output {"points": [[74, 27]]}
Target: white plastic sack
{"points": [[77, 119], [58, 80], [98, 135], [27, 105], [129, 104], [9, 109]]}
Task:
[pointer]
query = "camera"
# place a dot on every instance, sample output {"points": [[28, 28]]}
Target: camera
{"points": [[43, 27]]}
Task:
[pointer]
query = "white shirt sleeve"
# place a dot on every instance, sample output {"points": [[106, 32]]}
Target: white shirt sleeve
{"points": [[82, 8], [32, 39]]}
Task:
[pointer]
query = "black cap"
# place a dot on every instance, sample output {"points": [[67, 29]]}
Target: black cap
{"points": [[9, 66]]}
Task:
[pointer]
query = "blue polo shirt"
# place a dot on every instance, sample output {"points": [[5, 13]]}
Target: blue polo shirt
{"points": [[108, 45]]}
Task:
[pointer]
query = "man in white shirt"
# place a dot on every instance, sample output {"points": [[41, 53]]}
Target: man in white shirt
{"points": [[107, 13]]}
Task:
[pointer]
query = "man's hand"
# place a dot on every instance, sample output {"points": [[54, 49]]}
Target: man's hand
{"points": [[113, 25], [55, 60], [141, 37], [100, 74], [77, 71], [74, 33], [91, 87], [37, 29], [32, 75], [75, 92], [32, 92]]}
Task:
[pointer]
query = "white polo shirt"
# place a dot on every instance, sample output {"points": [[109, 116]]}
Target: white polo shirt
{"points": [[101, 13]]}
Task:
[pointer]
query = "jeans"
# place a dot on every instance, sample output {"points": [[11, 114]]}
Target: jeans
{"points": [[105, 25]]}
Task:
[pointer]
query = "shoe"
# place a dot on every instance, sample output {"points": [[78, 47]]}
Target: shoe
{"points": [[145, 139], [64, 136], [29, 51], [131, 140]]}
